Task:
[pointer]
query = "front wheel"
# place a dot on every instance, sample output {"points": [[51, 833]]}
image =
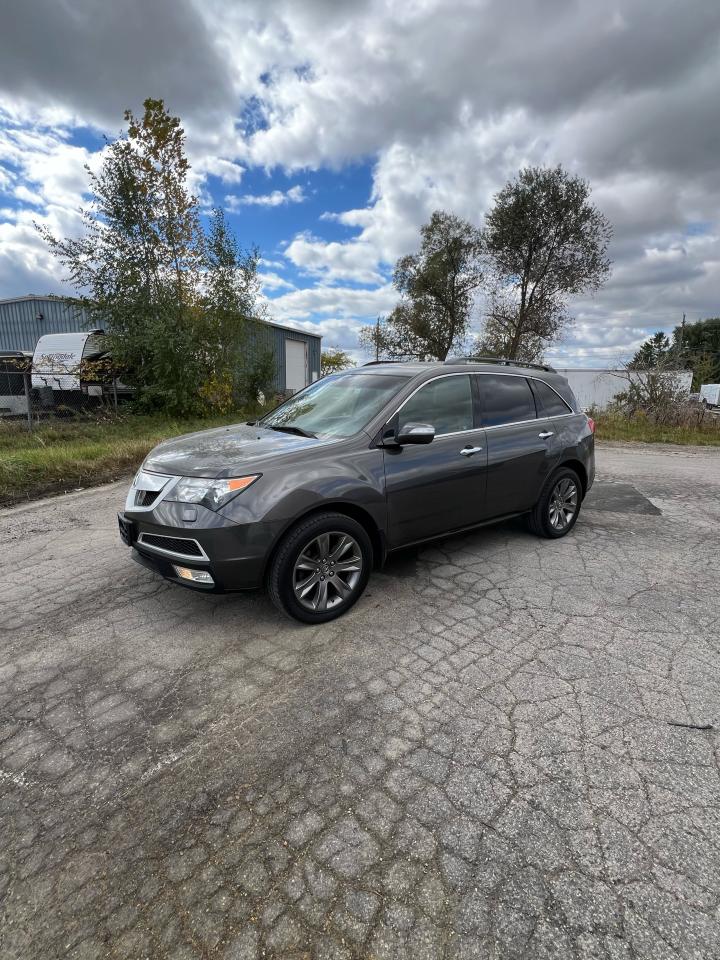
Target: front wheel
{"points": [[320, 568], [557, 509]]}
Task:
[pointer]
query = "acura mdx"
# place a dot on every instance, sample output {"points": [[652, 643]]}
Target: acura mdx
{"points": [[308, 499]]}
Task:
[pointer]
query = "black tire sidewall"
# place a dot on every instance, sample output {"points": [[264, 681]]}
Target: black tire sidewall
{"points": [[295, 540], [541, 513]]}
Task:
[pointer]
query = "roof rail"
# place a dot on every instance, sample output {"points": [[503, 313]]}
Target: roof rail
{"points": [[502, 361], [374, 363]]}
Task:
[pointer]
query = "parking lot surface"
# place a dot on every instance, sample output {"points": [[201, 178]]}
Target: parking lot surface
{"points": [[509, 748]]}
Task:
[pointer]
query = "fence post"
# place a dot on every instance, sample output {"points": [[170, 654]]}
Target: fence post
{"points": [[26, 383], [115, 393]]}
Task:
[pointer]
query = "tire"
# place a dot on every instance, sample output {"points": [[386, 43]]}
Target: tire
{"points": [[548, 518], [305, 583]]}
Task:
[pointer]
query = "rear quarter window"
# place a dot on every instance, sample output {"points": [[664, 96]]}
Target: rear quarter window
{"points": [[549, 403]]}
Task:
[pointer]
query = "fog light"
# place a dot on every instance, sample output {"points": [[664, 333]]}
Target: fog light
{"points": [[197, 576]]}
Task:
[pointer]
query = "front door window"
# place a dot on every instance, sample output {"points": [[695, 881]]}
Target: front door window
{"points": [[445, 403]]}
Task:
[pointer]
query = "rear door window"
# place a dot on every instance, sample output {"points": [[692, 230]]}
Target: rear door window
{"points": [[505, 399], [548, 402], [446, 403]]}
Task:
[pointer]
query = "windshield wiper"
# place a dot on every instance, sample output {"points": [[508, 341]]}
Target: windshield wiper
{"points": [[296, 430]]}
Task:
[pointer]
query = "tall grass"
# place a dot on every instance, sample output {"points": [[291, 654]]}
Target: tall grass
{"points": [[59, 456], [639, 429]]}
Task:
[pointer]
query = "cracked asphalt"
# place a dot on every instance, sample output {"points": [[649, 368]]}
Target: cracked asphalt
{"points": [[485, 759]]}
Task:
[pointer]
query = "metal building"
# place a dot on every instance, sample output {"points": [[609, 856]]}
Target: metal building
{"points": [[297, 354], [23, 320]]}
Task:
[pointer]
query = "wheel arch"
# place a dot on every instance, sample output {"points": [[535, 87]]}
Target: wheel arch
{"points": [[579, 467], [352, 510]]}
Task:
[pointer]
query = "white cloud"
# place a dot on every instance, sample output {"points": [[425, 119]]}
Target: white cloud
{"points": [[332, 301], [48, 176], [273, 281], [277, 198], [273, 264], [355, 260]]}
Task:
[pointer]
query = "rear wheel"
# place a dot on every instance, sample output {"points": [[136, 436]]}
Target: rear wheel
{"points": [[320, 568], [557, 509]]}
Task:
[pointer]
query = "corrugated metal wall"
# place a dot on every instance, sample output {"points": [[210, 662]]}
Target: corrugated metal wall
{"points": [[20, 328]]}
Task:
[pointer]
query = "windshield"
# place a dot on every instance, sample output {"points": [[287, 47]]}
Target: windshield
{"points": [[336, 406]]}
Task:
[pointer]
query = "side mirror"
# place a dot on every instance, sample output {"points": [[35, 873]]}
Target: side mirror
{"points": [[415, 433]]}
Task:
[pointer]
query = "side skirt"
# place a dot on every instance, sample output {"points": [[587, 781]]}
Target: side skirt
{"points": [[459, 530]]}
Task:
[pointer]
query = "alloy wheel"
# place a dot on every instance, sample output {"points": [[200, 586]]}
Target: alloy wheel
{"points": [[563, 503], [327, 571]]}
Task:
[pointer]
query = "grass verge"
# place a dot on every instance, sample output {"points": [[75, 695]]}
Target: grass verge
{"points": [[59, 456], [706, 434]]}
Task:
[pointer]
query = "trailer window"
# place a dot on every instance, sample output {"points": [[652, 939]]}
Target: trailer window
{"points": [[11, 382]]}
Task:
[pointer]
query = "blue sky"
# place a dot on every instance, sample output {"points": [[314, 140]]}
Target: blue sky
{"points": [[330, 130]]}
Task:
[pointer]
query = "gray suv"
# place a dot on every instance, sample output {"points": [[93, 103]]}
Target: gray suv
{"points": [[311, 497]]}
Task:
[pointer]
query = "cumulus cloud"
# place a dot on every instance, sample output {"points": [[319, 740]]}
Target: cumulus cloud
{"points": [[46, 176], [325, 301], [277, 198], [273, 281], [356, 260]]}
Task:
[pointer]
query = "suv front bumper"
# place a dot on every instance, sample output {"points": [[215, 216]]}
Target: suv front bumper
{"points": [[235, 555]]}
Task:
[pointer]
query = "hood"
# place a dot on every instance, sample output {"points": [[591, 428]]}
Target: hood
{"points": [[224, 451]]}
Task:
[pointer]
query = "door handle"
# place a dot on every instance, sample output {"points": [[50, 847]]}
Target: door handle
{"points": [[469, 451], [546, 434]]}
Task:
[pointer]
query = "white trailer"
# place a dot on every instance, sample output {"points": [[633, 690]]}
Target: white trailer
{"points": [[710, 394], [58, 358]]}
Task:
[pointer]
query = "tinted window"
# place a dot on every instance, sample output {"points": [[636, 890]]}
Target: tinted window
{"points": [[549, 403], [506, 399], [336, 406], [445, 403]]}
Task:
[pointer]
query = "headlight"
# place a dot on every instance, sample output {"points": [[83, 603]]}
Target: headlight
{"points": [[212, 494]]}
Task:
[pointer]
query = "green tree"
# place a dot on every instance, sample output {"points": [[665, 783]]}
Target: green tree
{"points": [[334, 360], [437, 287], [375, 340], [697, 346], [229, 313], [545, 242], [137, 264], [654, 352]]}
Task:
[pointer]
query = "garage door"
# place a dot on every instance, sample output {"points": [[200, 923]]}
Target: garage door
{"points": [[295, 364]]}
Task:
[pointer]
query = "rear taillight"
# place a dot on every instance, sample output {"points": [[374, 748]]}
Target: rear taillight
{"points": [[591, 424]]}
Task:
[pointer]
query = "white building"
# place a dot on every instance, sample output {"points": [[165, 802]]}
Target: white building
{"points": [[597, 388]]}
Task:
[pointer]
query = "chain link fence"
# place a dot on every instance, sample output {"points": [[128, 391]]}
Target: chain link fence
{"points": [[37, 392]]}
